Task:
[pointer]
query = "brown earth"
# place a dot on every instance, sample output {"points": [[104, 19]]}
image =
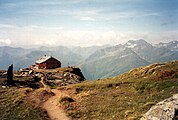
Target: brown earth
{"points": [[52, 106]]}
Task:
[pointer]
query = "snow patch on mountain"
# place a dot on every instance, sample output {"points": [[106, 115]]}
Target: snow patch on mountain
{"points": [[123, 56], [130, 45], [176, 46]]}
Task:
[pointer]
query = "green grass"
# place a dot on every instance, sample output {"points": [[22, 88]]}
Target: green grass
{"points": [[128, 96], [110, 101], [14, 106]]}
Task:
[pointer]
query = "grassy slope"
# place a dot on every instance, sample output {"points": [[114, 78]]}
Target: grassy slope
{"points": [[19, 103], [15, 106], [127, 96]]}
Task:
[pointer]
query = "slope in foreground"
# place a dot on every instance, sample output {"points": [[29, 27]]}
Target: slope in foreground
{"points": [[127, 96]]}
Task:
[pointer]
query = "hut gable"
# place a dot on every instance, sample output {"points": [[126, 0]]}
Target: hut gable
{"points": [[47, 62]]}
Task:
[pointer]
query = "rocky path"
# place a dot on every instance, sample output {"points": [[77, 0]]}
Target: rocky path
{"points": [[52, 107]]}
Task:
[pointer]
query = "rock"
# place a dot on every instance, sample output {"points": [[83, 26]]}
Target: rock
{"points": [[60, 76], [10, 75], [3, 86], [78, 72], [5, 73], [164, 110], [31, 72]]}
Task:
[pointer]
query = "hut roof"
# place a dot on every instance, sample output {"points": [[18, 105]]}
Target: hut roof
{"points": [[43, 59]]}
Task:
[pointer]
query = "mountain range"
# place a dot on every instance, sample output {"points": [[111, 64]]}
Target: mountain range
{"points": [[96, 61], [115, 60]]}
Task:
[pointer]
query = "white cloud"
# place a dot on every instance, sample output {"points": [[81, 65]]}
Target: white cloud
{"points": [[5, 41], [49, 42], [6, 26], [125, 15], [96, 14], [87, 19], [40, 28], [86, 14], [53, 36]]}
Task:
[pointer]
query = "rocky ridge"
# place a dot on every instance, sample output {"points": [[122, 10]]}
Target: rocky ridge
{"points": [[155, 71], [59, 76], [52, 77]]}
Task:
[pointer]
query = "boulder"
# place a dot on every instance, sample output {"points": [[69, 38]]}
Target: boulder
{"points": [[164, 110], [10, 75]]}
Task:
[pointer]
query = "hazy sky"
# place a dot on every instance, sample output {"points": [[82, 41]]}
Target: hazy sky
{"points": [[86, 22]]}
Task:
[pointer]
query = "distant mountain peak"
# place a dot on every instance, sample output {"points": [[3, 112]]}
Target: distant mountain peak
{"points": [[140, 41], [134, 43], [174, 41], [172, 45], [130, 44], [168, 43]]}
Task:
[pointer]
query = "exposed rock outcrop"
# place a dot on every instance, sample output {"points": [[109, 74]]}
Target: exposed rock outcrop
{"points": [[64, 78], [10, 75], [59, 76], [164, 110]]}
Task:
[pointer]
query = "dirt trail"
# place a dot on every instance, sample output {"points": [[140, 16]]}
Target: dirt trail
{"points": [[52, 107], [52, 104]]}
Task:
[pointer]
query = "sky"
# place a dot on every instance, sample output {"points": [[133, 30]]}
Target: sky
{"points": [[86, 22]]}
